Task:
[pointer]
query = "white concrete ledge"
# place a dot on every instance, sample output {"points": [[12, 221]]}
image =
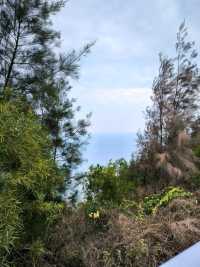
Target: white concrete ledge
{"points": [[188, 258]]}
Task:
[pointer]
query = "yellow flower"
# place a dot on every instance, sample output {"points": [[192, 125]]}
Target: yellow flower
{"points": [[91, 214], [94, 215]]}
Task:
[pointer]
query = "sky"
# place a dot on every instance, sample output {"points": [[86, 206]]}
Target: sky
{"points": [[116, 77]]}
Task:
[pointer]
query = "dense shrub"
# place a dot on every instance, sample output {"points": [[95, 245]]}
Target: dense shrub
{"points": [[10, 224], [29, 182], [153, 202], [109, 185]]}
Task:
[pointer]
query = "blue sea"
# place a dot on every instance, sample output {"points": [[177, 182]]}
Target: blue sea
{"points": [[103, 147]]}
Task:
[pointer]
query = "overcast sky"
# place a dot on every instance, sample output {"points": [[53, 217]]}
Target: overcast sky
{"points": [[117, 76]]}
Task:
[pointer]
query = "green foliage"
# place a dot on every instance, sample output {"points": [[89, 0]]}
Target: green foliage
{"points": [[36, 250], [26, 40], [96, 215], [30, 68], [29, 179], [132, 209], [196, 151], [152, 203], [10, 223], [40, 138], [109, 185]]}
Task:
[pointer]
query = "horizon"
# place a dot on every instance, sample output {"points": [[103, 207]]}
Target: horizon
{"points": [[104, 147]]}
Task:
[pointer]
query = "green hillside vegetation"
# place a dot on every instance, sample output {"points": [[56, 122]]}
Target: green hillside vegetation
{"points": [[137, 213]]}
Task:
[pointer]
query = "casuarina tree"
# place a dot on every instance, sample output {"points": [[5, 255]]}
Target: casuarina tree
{"points": [[30, 68]]}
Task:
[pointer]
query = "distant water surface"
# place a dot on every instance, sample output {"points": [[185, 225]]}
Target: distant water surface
{"points": [[103, 147]]}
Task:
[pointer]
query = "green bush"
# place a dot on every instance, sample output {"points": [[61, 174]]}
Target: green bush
{"points": [[152, 203], [10, 224], [109, 185], [29, 181]]}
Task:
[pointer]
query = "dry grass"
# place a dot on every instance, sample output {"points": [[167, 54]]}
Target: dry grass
{"points": [[123, 241]]}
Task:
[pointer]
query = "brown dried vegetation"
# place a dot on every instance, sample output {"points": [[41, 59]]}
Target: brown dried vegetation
{"points": [[124, 241]]}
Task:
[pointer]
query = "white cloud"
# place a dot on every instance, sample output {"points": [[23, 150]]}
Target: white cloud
{"points": [[115, 110], [126, 95], [129, 35]]}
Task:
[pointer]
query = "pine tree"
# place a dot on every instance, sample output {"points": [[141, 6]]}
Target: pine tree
{"points": [[29, 67], [26, 38], [165, 145], [184, 95]]}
